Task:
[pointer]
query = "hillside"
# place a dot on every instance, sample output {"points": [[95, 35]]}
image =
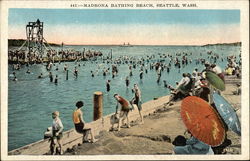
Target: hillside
{"points": [[220, 44], [19, 42]]}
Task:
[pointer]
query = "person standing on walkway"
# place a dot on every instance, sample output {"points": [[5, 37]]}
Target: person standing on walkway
{"points": [[137, 100], [57, 128], [124, 110]]}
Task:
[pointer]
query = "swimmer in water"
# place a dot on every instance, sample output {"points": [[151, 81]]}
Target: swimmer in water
{"points": [[92, 73], [76, 72], [28, 71], [158, 78], [13, 74], [15, 78], [40, 76], [56, 79], [165, 83], [141, 74], [104, 73], [127, 82], [108, 85], [130, 73], [65, 67], [50, 77]]}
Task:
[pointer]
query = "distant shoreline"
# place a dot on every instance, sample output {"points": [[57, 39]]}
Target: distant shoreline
{"points": [[221, 44], [19, 42]]}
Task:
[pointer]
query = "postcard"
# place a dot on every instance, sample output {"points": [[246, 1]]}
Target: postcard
{"points": [[124, 80]]}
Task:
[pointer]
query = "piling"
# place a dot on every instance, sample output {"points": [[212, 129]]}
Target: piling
{"points": [[67, 74], [98, 103], [111, 54]]}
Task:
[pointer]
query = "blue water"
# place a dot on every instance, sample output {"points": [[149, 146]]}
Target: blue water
{"points": [[31, 101]]}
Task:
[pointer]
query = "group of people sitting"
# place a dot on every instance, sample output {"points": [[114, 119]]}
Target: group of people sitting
{"points": [[55, 133], [194, 84]]}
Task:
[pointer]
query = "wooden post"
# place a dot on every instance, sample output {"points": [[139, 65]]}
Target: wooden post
{"points": [[83, 52], [67, 74], [111, 54], [98, 98], [62, 46]]}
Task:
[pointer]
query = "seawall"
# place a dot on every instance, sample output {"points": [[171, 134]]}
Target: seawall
{"points": [[71, 137]]}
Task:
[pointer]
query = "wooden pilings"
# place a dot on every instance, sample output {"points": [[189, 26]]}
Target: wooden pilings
{"points": [[98, 105], [67, 74]]}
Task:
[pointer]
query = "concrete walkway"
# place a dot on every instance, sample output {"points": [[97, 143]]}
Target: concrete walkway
{"points": [[155, 135]]}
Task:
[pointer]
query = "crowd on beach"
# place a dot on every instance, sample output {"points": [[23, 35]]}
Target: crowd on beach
{"points": [[191, 84]]}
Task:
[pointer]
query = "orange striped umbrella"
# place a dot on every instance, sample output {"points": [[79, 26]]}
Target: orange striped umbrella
{"points": [[202, 121]]}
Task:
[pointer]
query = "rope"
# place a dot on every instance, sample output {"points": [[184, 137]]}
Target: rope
{"points": [[45, 46], [47, 43], [22, 45]]}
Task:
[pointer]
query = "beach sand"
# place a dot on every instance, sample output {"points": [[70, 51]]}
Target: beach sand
{"points": [[154, 137]]}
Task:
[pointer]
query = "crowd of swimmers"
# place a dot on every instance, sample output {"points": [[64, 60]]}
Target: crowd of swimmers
{"points": [[33, 57], [193, 83]]}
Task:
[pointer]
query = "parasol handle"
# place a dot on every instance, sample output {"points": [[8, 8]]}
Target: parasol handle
{"points": [[185, 132], [208, 115], [236, 109]]}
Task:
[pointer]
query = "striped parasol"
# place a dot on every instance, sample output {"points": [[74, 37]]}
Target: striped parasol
{"points": [[227, 113]]}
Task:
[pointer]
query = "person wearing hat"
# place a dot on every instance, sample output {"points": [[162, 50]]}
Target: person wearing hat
{"points": [[80, 123], [124, 110], [57, 128], [191, 146]]}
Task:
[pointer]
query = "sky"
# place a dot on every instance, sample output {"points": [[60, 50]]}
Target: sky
{"points": [[136, 26]]}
